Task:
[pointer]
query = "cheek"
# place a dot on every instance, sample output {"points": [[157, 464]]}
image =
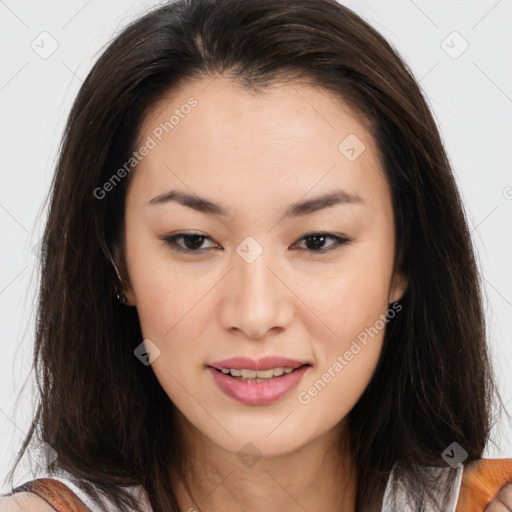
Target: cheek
{"points": [[352, 304], [346, 360], [334, 388], [165, 294], [350, 298], [170, 307]]}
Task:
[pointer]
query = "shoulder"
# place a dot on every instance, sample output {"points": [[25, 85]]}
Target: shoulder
{"points": [[43, 494], [485, 481], [24, 502], [62, 492]]}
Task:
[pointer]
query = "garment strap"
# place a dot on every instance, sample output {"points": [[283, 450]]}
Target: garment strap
{"points": [[56, 493], [481, 482]]}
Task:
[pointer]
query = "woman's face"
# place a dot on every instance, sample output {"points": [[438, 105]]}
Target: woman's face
{"points": [[249, 173]]}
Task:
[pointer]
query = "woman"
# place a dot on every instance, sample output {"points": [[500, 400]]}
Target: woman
{"points": [[259, 289]]}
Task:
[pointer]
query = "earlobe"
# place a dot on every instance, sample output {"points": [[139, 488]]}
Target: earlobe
{"points": [[122, 289], [398, 287]]}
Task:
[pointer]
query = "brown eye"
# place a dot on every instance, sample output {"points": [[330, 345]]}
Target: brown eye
{"points": [[315, 242], [192, 242]]}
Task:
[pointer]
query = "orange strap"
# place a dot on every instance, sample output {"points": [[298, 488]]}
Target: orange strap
{"points": [[481, 482], [56, 493]]}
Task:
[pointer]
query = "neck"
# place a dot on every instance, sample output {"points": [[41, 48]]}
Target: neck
{"points": [[319, 475]]}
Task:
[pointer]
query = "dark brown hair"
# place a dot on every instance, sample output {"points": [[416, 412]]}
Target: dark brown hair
{"points": [[104, 412]]}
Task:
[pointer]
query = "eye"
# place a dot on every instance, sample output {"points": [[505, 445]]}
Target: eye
{"points": [[192, 242], [316, 241]]}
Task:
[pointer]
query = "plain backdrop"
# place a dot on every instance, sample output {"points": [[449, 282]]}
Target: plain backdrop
{"points": [[459, 50]]}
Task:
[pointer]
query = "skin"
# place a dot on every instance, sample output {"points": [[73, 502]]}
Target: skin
{"points": [[257, 154], [503, 500], [306, 306]]}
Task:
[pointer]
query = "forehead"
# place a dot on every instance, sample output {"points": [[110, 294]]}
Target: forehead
{"points": [[215, 137]]}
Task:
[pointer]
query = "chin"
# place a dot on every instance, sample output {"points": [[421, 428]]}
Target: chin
{"points": [[258, 440]]}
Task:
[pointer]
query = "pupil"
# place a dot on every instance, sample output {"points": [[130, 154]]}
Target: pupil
{"points": [[198, 241], [317, 238]]}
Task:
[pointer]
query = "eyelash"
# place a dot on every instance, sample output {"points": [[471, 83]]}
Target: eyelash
{"points": [[171, 241]]}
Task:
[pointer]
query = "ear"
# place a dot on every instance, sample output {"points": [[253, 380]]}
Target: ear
{"points": [[123, 281], [398, 286]]}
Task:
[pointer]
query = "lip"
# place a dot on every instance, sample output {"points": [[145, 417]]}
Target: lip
{"points": [[265, 363], [258, 393]]}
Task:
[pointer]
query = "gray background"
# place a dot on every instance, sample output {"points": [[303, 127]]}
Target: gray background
{"points": [[469, 90]]}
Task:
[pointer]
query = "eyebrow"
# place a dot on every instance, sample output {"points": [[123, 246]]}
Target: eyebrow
{"points": [[297, 209]]}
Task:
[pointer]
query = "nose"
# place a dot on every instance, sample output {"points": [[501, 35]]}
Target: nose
{"points": [[257, 299]]}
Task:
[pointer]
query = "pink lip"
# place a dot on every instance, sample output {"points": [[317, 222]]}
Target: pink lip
{"points": [[257, 393], [265, 363]]}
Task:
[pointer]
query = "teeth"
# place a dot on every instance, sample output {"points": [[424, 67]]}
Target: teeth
{"points": [[262, 374], [257, 374]]}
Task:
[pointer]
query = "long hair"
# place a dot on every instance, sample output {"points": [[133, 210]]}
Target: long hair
{"points": [[104, 412]]}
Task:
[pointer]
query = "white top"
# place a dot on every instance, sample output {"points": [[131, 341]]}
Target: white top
{"points": [[402, 501], [389, 504]]}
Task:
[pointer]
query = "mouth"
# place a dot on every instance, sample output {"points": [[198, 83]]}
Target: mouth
{"points": [[264, 383], [258, 376]]}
